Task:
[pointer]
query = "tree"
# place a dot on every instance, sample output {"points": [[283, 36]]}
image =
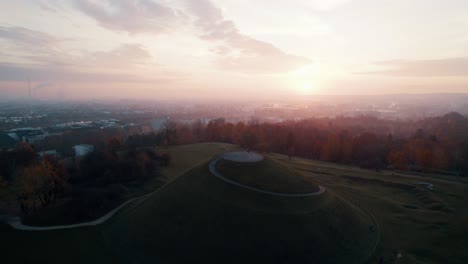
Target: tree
{"points": [[346, 147], [12, 161], [113, 145], [95, 165], [42, 182], [290, 140], [441, 158], [24, 154], [331, 149], [3, 182], [198, 130], [248, 140], [169, 132], [185, 135], [214, 129], [399, 159]]}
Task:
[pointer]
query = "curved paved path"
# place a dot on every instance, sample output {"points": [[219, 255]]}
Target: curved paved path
{"points": [[253, 157], [15, 221], [428, 185]]}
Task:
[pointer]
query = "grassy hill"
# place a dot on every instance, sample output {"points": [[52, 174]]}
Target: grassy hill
{"points": [[200, 218]]}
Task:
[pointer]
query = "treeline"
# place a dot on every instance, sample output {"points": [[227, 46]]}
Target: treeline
{"points": [[431, 145]]}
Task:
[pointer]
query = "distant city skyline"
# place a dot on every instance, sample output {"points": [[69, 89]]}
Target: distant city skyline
{"points": [[182, 49]]}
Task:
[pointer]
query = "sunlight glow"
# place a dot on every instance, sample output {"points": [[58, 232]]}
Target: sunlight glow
{"points": [[306, 80]]}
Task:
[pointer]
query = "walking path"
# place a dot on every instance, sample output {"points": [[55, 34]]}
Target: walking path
{"points": [[252, 158], [15, 221], [428, 185]]}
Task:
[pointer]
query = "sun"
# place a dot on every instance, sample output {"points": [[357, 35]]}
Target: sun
{"points": [[306, 79], [308, 87]]}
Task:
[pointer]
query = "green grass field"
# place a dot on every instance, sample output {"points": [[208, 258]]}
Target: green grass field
{"points": [[199, 218]]}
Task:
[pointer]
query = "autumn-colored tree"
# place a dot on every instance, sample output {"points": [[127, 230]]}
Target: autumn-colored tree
{"points": [[113, 144], [42, 183], [399, 159], [441, 158], [185, 135], [331, 148], [426, 160]]}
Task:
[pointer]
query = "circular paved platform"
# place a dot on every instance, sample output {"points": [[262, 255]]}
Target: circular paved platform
{"points": [[243, 156]]}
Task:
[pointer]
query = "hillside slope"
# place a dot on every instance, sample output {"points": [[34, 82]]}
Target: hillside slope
{"points": [[198, 217]]}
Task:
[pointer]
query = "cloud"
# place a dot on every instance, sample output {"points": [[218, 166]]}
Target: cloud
{"points": [[326, 5], [49, 5], [134, 16], [29, 46], [21, 35], [423, 68], [249, 55], [125, 56], [38, 48], [239, 52], [121, 64], [17, 72]]}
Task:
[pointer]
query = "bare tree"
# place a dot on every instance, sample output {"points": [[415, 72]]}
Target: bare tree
{"points": [[170, 132]]}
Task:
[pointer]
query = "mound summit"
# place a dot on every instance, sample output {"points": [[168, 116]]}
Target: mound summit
{"points": [[252, 171]]}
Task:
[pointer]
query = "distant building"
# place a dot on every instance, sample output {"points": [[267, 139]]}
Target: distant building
{"points": [[14, 136], [83, 149], [52, 153], [109, 123], [80, 125], [28, 134]]}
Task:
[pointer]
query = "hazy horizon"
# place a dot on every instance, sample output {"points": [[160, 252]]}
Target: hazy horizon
{"points": [[231, 50]]}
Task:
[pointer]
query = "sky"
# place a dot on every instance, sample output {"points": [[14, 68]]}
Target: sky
{"points": [[169, 49]]}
